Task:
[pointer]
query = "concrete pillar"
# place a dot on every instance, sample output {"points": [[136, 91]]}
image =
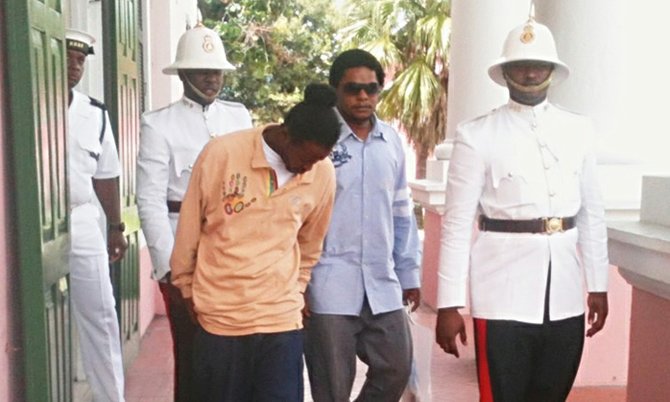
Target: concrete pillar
{"points": [[87, 16], [591, 40], [478, 31], [167, 21], [641, 249]]}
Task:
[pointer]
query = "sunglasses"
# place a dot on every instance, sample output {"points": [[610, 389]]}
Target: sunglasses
{"points": [[354, 88]]}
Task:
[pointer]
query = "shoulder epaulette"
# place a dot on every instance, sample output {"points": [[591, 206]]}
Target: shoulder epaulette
{"points": [[102, 107], [231, 103], [565, 109], [97, 103]]}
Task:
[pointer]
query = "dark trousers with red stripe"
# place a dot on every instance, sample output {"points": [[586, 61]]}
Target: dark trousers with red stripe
{"points": [[522, 362], [183, 331]]}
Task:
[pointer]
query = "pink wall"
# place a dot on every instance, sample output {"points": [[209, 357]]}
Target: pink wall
{"points": [[649, 367], [431, 257], [151, 302], [605, 359]]}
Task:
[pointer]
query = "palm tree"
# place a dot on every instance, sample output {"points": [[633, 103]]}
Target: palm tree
{"points": [[411, 40]]}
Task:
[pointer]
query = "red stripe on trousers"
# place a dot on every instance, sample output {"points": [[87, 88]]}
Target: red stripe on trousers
{"points": [[485, 390]]}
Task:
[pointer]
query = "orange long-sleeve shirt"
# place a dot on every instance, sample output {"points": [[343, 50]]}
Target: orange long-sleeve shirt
{"points": [[243, 248]]}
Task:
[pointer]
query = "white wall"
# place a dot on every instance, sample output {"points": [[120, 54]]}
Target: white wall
{"points": [[645, 55], [85, 15], [478, 31], [166, 21]]}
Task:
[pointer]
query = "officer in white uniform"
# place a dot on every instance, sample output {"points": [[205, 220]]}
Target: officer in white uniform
{"points": [[93, 170], [527, 172], [170, 140]]}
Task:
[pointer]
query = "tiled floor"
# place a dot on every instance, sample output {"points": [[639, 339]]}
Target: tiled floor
{"points": [[453, 380]]}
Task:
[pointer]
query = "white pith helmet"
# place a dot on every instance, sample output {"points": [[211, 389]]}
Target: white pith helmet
{"points": [[199, 48], [529, 41]]}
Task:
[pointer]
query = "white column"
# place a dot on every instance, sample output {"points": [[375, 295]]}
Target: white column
{"points": [[87, 16], [619, 58], [479, 29], [166, 22]]}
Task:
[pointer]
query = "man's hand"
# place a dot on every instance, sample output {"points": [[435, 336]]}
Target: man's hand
{"points": [[598, 309], [305, 308], [412, 297], [116, 245], [190, 307], [449, 324]]}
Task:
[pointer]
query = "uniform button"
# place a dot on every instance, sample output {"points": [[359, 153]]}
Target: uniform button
{"points": [[551, 194], [212, 135], [547, 167]]}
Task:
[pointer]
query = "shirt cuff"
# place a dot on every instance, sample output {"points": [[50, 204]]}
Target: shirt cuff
{"points": [[409, 278], [450, 294]]}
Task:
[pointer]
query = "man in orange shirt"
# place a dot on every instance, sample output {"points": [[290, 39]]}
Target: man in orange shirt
{"points": [[251, 227]]}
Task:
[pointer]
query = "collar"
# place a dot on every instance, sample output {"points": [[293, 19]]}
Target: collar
{"points": [[521, 108], [346, 131], [258, 160], [191, 104], [79, 100]]}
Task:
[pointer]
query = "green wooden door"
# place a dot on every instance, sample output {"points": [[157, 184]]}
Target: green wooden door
{"points": [[37, 93], [123, 91]]}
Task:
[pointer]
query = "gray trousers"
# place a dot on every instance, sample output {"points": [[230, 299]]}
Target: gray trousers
{"points": [[381, 341]]}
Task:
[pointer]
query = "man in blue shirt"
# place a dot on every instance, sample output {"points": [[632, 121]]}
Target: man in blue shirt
{"points": [[370, 262]]}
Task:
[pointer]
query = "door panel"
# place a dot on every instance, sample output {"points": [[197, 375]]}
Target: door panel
{"points": [[37, 105], [122, 96]]}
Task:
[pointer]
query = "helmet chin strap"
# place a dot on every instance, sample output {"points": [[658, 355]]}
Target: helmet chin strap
{"points": [[527, 88], [199, 92]]}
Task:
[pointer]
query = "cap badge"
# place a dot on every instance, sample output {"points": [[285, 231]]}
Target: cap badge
{"points": [[528, 34], [207, 44]]}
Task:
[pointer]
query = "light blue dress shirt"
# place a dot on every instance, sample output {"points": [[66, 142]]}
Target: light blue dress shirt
{"points": [[372, 247]]}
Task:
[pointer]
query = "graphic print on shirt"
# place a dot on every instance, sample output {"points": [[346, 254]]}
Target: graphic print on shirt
{"points": [[233, 194], [339, 155]]}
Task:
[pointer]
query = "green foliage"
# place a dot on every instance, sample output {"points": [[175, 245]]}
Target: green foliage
{"points": [[278, 47], [411, 39]]}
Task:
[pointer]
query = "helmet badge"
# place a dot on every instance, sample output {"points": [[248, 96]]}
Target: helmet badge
{"points": [[528, 34], [207, 44]]}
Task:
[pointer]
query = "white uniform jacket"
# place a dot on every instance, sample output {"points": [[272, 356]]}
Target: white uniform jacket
{"points": [[92, 154], [170, 140], [521, 162]]}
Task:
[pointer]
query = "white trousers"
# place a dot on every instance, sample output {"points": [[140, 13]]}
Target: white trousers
{"points": [[93, 307]]}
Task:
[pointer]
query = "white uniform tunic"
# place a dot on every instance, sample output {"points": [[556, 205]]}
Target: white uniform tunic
{"points": [[92, 296], [170, 140], [521, 162]]}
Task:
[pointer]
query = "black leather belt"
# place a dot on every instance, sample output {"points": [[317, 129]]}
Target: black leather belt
{"points": [[174, 206], [540, 225]]}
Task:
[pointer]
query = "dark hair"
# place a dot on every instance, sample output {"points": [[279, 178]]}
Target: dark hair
{"points": [[314, 119], [354, 58]]}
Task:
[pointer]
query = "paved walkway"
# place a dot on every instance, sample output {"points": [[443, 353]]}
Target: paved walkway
{"points": [[453, 380]]}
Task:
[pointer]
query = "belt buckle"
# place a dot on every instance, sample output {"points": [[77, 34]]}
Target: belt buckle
{"points": [[553, 225]]}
